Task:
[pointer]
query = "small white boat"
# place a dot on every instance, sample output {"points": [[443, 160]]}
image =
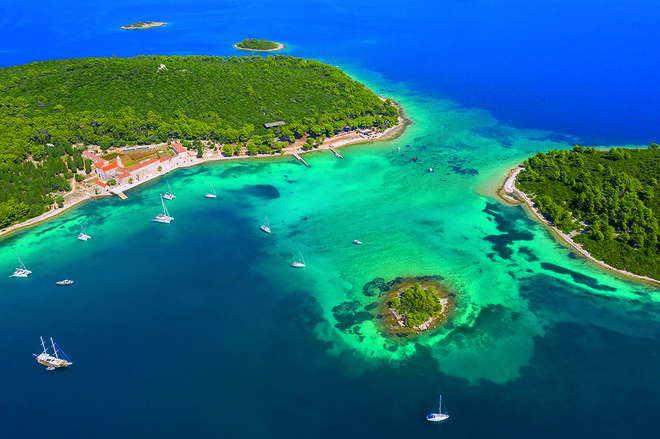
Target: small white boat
{"points": [[299, 263], [211, 194], [356, 242], [83, 236], [53, 361], [164, 217], [64, 282], [169, 195], [440, 416], [21, 271], [266, 227]]}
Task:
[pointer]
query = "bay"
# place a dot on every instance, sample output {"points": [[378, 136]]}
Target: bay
{"points": [[201, 328]]}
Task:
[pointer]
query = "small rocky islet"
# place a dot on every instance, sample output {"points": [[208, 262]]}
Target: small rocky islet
{"points": [[405, 307], [415, 305]]}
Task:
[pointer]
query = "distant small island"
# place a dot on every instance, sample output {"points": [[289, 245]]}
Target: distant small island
{"points": [[144, 25], [255, 45], [412, 306]]}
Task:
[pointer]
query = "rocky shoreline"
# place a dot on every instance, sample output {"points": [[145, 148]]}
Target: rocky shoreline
{"points": [[393, 324], [280, 46], [143, 25], [512, 195]]}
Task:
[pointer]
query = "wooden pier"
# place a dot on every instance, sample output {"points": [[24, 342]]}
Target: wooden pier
{"points": [[300, 158], [336, 153]]}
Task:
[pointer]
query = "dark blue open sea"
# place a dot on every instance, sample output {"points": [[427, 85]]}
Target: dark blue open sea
{"points": [[201, 329]]}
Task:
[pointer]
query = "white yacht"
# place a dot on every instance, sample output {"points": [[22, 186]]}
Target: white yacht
{"points": [[83, 236], [64, 282], [21, 271], [169, 195], [211, 194], [440, 416], [164, 217], [53, 361], [266, 227], [299, 263]]}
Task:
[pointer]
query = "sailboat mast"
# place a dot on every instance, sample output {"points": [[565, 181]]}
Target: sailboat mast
{"points": [[43, 344], [54, 348], [164, 207]]}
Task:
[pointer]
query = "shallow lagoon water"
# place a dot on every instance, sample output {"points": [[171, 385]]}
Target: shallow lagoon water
{"points": [[201, 328]]}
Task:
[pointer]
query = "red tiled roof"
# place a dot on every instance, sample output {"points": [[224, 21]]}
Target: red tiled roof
{"points": [[178, 148], [100, 183], [142, 165], [110, 167], [164, 159], [94, 157]]}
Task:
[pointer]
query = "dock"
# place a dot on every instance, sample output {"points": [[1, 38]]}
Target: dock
{"points": [[121, 195], [300, 158], [336, 153]]}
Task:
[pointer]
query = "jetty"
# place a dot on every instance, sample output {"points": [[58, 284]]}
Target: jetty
{"points": [[336, 153], [300, 158], [121, 195]]}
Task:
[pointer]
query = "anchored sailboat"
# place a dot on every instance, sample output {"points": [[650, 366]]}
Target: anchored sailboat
{"points": [[299, 263], [83, 236], [169, 195], [266, 227], [53, 361], [22, 271], [165, 216], [211, 194], [440, 416]]}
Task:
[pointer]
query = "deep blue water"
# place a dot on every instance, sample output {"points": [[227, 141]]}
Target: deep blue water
{"points": [[185, 331]]}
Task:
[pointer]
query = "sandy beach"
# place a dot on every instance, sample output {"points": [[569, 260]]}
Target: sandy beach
{"points": [[80, 194], [512, 195]]}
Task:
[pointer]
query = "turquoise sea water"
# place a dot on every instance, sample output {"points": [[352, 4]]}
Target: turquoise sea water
{"points": [[201, 328]]}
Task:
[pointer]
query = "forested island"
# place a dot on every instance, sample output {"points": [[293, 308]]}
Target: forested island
{"points": [[413, 305], [53, 111], [608, 202], [143, 25], [262, 45]]}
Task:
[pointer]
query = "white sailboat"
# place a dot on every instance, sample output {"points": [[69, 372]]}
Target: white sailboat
{"points": [[83, 236], [266, 227], [164, 217], [299, 263], [440, 416], [169, 195], [53, 361], [21, 271], [211, 194]]}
